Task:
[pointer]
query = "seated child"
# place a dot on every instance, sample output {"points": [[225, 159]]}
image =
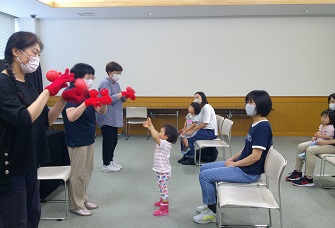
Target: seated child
{"points": [[192, 120], [326, 130]]}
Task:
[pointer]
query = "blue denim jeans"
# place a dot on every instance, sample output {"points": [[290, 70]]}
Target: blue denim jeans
{"points": [[20, 204], [202, 134], [213, 172]]}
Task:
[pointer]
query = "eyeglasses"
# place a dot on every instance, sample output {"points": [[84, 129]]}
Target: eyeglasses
{"points": [[89, 76]]}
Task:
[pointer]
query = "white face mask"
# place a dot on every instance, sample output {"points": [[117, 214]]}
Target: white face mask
{"points": [[197, 101], [332, 106], [116, 77], [250, 110], [32, 66], [88, 82]]}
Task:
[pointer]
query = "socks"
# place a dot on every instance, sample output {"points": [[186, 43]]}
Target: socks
{"points": [[212, 207]]}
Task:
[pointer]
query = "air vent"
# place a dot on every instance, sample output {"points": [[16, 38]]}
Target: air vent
{"points": [[87, 14]]}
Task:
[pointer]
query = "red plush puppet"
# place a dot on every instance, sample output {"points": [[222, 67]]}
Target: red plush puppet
{"points": [[93, 100], [59, 82], [105, 98], [129, 93]]}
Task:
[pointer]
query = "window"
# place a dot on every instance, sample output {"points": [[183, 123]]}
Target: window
{"points": [[7, 28]]}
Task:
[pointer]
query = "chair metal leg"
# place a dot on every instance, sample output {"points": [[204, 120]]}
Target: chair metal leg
{"points": [[127, 130]]}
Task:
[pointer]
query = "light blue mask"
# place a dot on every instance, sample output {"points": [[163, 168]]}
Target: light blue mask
{"points": [[250, 110]]}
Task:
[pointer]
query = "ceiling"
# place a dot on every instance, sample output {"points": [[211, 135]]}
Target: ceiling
{"points": [[26, 8]]}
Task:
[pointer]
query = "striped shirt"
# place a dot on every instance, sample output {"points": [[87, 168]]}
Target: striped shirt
{"points": [[161, 157], [114, 115]]}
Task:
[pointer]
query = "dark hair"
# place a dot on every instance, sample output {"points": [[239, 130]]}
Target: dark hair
{"points": [[203, 98], [330, 114], [171, 132], [113, 66], [331, 96], [262, 100], [197, 107], [81, 69], [20, 40]]}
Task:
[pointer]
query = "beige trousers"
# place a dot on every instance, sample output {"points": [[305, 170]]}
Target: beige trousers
{"points": [[81, 159], [311, 152]]}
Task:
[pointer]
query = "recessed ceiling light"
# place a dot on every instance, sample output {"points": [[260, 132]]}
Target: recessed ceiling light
{"points": [[305, 11], [149, 13]]}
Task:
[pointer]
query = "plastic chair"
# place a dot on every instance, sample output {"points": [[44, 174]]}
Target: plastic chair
{"points": [[330, 158], [56, 173], [224, 131], [254, 196], [136, 115]]}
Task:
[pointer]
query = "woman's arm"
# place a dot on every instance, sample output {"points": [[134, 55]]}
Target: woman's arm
{"points": [[36, 108], [56, 110], [101, 109], [198, 127], [74, 113], [251, 159], [325, 142]]}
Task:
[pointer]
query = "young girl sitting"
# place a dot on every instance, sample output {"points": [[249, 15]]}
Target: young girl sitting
{"points": [[192, 120], [326, 130]]}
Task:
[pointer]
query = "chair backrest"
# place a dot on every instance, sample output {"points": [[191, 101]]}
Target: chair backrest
{"points": [[219, 120], [274, 166], [226, 128], [136, 112]]}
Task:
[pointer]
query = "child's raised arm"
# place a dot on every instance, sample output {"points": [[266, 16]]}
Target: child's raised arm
{"points": [[148, 124]]}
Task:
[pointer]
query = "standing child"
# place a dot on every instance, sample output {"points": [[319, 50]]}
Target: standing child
{"points": [[164, 139], [326, 131], [192, 120]]}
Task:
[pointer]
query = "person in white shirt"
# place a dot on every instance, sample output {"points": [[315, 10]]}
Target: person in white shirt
{"points": [[206, 129]]}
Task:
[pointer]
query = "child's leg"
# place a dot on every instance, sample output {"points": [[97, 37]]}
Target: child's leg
{"points": [[162, 179], [185, 142]]}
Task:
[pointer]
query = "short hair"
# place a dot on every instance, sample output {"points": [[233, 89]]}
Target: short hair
{"points": [[331, 96], [171, 132], [203, 98], [330, 114], [197, 107], [262, 100], [81, 69], [113, 66]]}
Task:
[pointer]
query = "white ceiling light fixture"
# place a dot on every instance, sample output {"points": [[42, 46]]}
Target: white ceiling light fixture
{"points": [[129, 3]]}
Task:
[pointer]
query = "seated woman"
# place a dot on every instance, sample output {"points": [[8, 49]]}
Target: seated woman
{"points": [[207, 129], [322, 147], [244, 167]]}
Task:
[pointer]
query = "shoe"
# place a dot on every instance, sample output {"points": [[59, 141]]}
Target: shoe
{"points": [[90, 206], [202, 208], [109, 168], [83, 212], [182, 159], [183, 152], [158, 203], [115, 165], [188, 161], [163, 210], [304, 182], [302, 156], [206, 216], [295, 175]]}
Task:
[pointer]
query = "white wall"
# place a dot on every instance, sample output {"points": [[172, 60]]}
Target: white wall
{"points": [[287, 56]]}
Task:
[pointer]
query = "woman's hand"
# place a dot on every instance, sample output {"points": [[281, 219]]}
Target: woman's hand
{"points": [[230, 163]]}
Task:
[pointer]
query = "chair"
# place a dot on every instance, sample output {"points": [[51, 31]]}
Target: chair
{"points": [[330, 158], [56, 173], [224, 131], [254, 196], [136, 115]]}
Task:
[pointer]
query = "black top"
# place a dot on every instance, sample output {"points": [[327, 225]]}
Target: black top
{"points": [[23, 144]]}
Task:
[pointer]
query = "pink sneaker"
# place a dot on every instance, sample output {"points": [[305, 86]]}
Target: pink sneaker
{"points": [[163, 210], [159, 203]]}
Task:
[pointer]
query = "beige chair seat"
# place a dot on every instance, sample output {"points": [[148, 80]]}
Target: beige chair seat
{"points": [[56, 173]]}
